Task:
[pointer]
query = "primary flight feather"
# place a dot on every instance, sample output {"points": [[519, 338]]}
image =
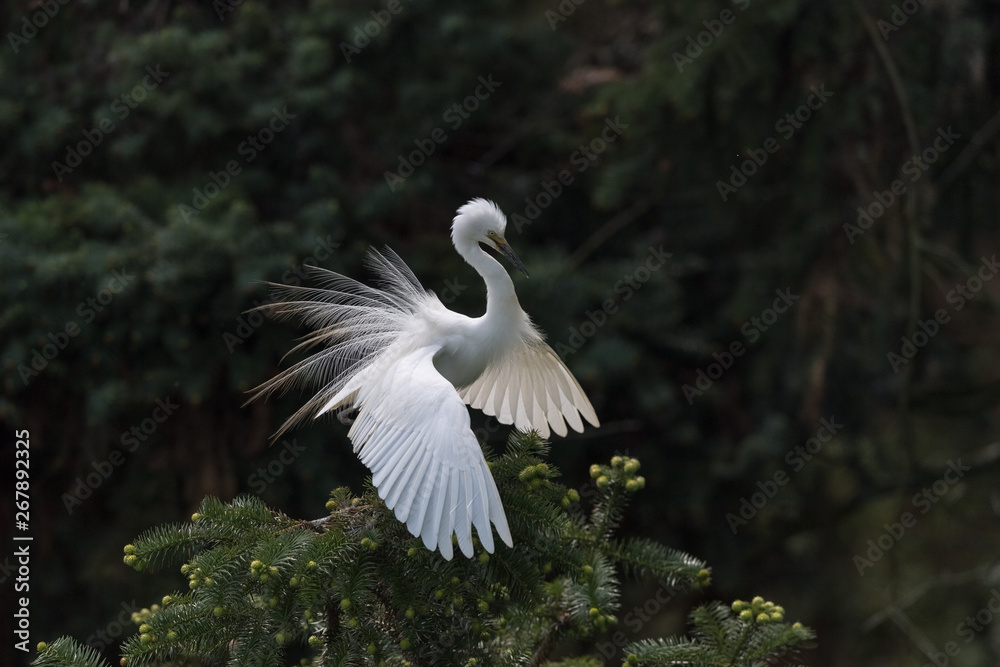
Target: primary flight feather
{"points": [[409, 366]]}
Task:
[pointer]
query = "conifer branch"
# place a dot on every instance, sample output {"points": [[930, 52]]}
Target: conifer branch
{"points": [[355, 587]]}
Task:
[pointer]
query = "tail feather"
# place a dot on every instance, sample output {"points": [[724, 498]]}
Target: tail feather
{"points": [[352, 323]]}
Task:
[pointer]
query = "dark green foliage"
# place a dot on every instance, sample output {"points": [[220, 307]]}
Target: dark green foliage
{"points": [[721, 636], [179, 329], [356, 587], [65, 652]]}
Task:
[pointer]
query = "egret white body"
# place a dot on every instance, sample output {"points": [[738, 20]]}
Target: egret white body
{"points": [[409, 365]]}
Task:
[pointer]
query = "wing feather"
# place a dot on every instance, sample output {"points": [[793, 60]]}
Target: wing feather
{"points": [[537, 413], [413, 484], [448, 516], [510, 395], [463, 521], [480, 510], [413, 432], [397, 478], [518, 412], [531, 387], [435, 508], [386, 453], [495, 399]]}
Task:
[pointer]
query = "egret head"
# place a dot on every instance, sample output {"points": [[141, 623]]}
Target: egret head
{"points": [[481, 222]]}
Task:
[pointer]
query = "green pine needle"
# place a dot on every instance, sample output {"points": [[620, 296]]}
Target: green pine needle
{"points": [[354, 587]]}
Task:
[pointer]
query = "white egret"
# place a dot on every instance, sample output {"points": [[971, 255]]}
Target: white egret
{"points": [[409, 365]]}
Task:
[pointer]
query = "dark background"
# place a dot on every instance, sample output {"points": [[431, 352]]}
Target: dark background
{"points": [[698, 90]]}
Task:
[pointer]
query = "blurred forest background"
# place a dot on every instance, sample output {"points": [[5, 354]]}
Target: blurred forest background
{"points": [[160, 158]]}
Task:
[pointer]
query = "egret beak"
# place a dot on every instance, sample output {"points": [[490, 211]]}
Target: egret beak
{"points": [[505, 250]]}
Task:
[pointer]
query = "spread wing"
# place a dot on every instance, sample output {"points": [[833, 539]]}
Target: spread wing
{"points": [[413, 432], [531, 388]]}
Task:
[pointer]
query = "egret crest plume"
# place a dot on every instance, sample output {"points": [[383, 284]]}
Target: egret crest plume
{"points": [[408, 365]]}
